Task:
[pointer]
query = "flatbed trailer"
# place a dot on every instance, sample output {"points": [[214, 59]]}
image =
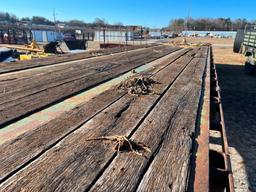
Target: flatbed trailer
{"points": [[117, 140], [245, 43]]}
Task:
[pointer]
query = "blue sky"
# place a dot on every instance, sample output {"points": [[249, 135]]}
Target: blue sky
{"points": [[152, 13]]}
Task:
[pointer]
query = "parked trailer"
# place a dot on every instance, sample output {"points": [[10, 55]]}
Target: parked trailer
{"points": [[245, 43]]}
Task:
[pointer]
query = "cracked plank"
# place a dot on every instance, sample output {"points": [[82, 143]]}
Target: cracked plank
{"points": [[53, 60], [126, 171], [37, 99], [75, 154]]}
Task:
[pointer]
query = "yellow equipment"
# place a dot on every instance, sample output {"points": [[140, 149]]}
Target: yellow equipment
{"points": [[33, 55], [33, 45]]}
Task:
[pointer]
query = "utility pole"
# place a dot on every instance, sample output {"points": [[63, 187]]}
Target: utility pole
{"points": [[141, 35], [186, 22], [54, 19], [55, 23], [104, 35]]}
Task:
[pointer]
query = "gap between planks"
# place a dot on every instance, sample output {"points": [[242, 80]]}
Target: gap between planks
{"points": [[15, 162], [46, 98], [66, 140]]}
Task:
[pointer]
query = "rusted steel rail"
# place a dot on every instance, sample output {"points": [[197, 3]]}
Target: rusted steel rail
{"points": [[212, 168], [221, 177], [201, 162]]}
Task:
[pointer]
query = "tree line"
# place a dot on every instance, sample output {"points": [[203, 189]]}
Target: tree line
{"points": [[208, 24], [177, 25], [8, 18]]}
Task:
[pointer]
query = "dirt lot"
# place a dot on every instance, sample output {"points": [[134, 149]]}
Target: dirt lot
{"points": [[238, 97]]}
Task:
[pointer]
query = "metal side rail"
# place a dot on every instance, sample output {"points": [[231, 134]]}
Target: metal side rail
{"points": [[221, 177], [211, 169], [199, 175]]}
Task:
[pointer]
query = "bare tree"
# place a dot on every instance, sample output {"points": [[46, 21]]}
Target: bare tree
{"points": [[119, 23], [41, 21], [177, 25], [100, 22], [205, 24], [76, 22]]}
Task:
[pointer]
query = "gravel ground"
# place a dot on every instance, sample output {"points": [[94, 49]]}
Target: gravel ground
{"points": [[238, 91]]}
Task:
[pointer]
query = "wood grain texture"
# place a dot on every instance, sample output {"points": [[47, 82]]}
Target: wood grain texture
{"points": [[52, 60], [126, 170], [35, 98], [28, 82], [74, 163], [19, 151], [171, 164], [22, 80]]}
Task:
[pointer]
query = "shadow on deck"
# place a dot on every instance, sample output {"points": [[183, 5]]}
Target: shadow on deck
{"points": [[238, 91]]}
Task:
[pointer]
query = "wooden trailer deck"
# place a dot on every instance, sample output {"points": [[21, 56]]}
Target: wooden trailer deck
{"points": [[58, 59], [116, 141]]}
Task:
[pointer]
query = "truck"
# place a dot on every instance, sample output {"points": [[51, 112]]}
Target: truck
{"points": [[245, 43]]}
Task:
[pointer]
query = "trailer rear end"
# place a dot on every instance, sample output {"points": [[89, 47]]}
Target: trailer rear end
{"points": [[245, 43]]}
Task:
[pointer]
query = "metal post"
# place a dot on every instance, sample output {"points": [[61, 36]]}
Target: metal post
{"points": [[24, 37], [126, 38], [104, 36], [9, 38], [14, 36], [141, 34], [1, 37]]}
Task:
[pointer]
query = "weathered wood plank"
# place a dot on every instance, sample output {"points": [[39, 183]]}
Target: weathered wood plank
{"points": [[39, 85], [170, 168], [23, 65], [75, 153], [74, 64], [35, 101], [126, 171], [53, 76], [37, 80], [18, 151]]}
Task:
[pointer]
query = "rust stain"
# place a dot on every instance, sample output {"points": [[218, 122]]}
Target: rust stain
{"points": [[201, 182]]}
